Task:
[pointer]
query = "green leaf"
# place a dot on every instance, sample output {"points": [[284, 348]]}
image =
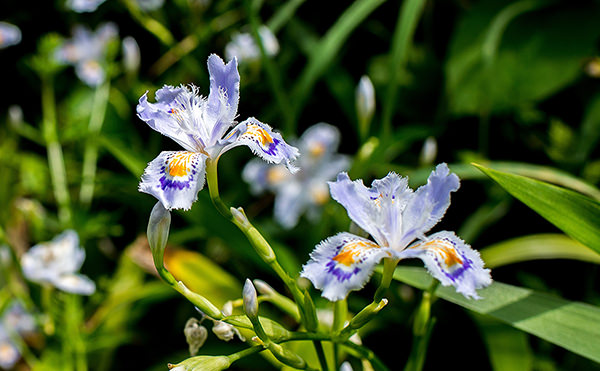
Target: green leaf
{"points": [[203, 276], [576, 215], [329, 46], [535, 247], [572, 325], [496, 63], [507, 347]]}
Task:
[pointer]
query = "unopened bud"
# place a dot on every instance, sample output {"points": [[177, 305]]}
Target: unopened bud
{"points": [[226, 332], [287, 357], [428, 152], [365, 104], [204, 363], [202, 303], [367, 314], [158, 233], [250, 300], [346, 366], [195, 335], [15, 115], [131, 55], [264, 288], [240, 216]]}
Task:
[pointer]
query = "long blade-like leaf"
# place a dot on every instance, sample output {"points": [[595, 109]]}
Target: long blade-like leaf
{"points": [[575, 214], [535, 247], [572, 325]]}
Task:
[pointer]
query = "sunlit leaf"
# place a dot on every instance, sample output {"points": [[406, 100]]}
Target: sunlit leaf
{"points": [[535, 247], [202, 275], [572, 325], [576, 215]]}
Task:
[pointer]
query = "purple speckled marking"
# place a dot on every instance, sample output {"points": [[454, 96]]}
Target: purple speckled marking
{"points": [[272, 150], [456, 273], [339, 273], [171, 183]]}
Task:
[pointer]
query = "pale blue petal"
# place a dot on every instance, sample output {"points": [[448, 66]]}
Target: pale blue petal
{"points": [[450, 260], [175, 178], [9, 35], [342, 263], [361, 204], [319, 141], [290, 203], [84, 6], [90, 72], [75, 284], [176, 114], [224, 95], [429, 203], [9, 353], [263, 141]]}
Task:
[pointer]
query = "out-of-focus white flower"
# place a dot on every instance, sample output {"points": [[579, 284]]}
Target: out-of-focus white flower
{"points": [[9, 35], [346, 366], [131, 54], [9, 354], [56, 262], [84, 6], [150, 5], [87, 52], [306, 190], [243, 46]]}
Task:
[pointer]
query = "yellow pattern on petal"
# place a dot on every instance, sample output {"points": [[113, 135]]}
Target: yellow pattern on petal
{"points": [[444, 249], [259, 133], [351, 252], [179, 163]]}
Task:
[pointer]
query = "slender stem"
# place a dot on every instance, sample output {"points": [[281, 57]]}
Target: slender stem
{"points": [[90, 156], [340, 313], [321, 354], [244, 353], [389, 264], [150, 24], [273, 75], [56, 162]]}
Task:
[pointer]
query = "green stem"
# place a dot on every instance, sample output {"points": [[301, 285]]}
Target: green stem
{"points": [[149, 23], [90, 155], [56, 163], [408, 18], [321, 355], [245, 353], [340, 314], [273, 75]]}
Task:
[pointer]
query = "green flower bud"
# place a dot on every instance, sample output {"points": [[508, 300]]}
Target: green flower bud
{"points": [[250, 300], [287, 357], [158, 233], [204, 363]]}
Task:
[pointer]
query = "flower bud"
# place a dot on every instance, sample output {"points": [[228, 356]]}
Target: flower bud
{"points": [[367, 314], [287, 357], [365, 104], [250, 300], [346, 366], [428, 152], [204, 363], [195, 335], [131, 55], [158, 233]]}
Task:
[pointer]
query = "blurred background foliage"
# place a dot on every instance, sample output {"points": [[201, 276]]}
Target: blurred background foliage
{"points": [[511, 85]]}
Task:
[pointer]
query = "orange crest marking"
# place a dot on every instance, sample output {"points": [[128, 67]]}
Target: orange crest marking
{"points": [[350, 252], [446, 250], [179, 163], [259, 133]]}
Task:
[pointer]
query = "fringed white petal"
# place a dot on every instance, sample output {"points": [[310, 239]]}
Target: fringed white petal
{"points": [[175, 178], [263, 141], [342, 263], [450, 260]]}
